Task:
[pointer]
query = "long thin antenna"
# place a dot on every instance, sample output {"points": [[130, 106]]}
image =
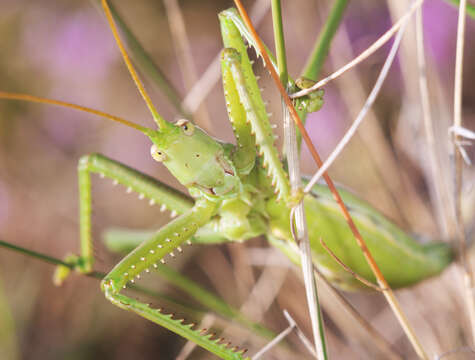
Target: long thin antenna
{"points": [[36, 99], [161, 122]]}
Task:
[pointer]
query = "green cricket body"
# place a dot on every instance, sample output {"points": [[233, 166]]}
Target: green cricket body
{"points": [[251, 208], [248, 204], [247, 207], [237, 192]]}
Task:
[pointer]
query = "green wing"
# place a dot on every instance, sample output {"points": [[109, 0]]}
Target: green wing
{"points": [[402, 259]]}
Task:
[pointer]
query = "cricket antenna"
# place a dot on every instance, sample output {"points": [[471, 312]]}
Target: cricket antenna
{"points": [[161, 122], [36, 99]]}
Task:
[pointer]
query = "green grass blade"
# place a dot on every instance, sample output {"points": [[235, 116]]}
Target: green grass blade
{"points": [[8, 340], [295, 180], [279, 41], [320, 50], [322, 44], [470, 10], [187, 308]]}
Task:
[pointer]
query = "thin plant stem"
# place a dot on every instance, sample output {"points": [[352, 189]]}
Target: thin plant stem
{"points": [[365, 54], [320, 50], [359, 119], [298, 213], [293, 161], [159, 120], [211, 75], [348, 269], [144, 61], [279, 40], [34, 254], [184, 56], [389, 295], [319, 53], [469, 9], [440, 191], [94, 275], [349, 310], [305, 341], [275, 341], [342, 310], [469, 282], [205, 298]]}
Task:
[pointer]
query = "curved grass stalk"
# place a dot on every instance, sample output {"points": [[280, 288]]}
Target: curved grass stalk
{"points": [[211, 75], [322, 44], [389, 295], [365, 54], [145, 62], [204, 297], [440, 191], [184, 56], [295, 182], [359, 119], [319, 53], [469, 8], [99, 276], [469, 281]]}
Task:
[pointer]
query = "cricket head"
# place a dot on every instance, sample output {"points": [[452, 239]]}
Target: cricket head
{"points": [[196, 159]]}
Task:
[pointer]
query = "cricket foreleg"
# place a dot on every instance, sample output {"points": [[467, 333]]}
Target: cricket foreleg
{"points": [[146, 186], [260, 127]]}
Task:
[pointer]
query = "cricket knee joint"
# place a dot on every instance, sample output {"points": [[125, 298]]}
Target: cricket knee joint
{"points": [[86, 161], [73, 262]]}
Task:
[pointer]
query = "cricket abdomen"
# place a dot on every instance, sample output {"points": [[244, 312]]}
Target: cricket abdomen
{"points": [[402, 260]]}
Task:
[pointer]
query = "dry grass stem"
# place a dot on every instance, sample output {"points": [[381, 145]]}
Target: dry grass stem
{"points": [[469, 282], [363, 331], [445, 215], [211, 76], [366, 107], [276, 340], [184, 56], [365, 54], [389, 295], [348, 269]]}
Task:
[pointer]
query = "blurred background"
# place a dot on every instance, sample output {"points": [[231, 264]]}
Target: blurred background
{"points": [[64, 50]]}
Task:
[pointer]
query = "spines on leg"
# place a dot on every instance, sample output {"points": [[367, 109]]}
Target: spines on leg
{"points": [[260, 126], [163, 243], [199, 336], [244, 156], [243, 97], [233, 20], [146, 257], [147, 187]]}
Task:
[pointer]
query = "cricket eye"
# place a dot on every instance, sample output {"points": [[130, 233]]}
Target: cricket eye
{"points": [[188, 127], [157, 155]]}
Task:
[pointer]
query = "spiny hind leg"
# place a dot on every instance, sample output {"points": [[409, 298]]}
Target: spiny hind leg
{"points": [[146, 256], [146, 186]]}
